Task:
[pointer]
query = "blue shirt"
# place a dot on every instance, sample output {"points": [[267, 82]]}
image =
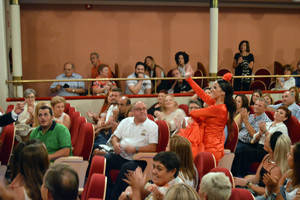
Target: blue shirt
{"points": [[294, 108], [73, 85], [297, 79], [254, 121]]}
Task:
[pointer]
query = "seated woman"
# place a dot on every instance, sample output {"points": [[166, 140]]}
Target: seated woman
{"points": [[31, 162], [255, 95], [170, 113], [288, 187], [164, 174], [274, 163], [154, 71], [182, 147], [102, 87], [157, 106], [268, 98], [241, 102], [58, 106], [27, 116], [294, 90]]}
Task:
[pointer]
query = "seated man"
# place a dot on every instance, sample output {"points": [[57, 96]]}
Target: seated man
{"points": [[250, 125], [138, 86], [55, 136], [215, 185], [288, 100], [60, 182], [68, 88], [134, 134]]}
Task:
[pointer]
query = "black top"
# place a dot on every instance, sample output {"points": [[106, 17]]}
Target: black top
{"points": [[6, 119], [243, 67]]}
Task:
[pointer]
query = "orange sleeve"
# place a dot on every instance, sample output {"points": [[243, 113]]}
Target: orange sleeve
{"points": [[210, 111], [200, 92]]}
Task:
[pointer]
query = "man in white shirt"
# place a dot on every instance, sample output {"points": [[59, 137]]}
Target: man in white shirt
{"points": [[134, 134], [138, 86]]}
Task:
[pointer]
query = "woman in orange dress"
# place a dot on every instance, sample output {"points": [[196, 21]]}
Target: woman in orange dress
{"points": [[207, 131]]}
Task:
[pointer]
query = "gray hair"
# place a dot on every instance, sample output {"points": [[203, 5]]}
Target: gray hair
{"points": [[216, 186], [29, 91]]}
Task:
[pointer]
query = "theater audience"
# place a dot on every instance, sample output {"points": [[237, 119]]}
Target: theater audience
{"points": [[288, 100], [32, 164], [243, 65], [27, 116], [138, 86], [68, 88], [288, 187], [104, 86], [179, 85], [182, 147], [268, 98], [164, 175], [255, 95], [55, 136], [286, 83], [134, 134], [297, 72], [274, 163], [249, 127], [182, 59], [58, 106], [158, 105], [95, 61], [170, 113], [215, 185], [154, 71], [294, 90], [60, 182], [242, 103]]}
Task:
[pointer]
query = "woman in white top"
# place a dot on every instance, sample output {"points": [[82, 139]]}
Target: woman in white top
{"points": [[188, 171], [170, 113], [282, 114], [27, 116], [58, 106]]}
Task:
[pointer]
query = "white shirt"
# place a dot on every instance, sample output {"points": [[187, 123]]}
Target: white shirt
{"points": [[136, 135], [109, 112], [288, 83], [271, 129], [145, 85]]}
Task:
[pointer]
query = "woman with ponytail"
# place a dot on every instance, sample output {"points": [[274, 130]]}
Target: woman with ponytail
{"points": [[209, 134]]}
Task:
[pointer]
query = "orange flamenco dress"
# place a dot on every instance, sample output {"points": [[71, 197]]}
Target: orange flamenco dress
{"points": [[206, 133]]}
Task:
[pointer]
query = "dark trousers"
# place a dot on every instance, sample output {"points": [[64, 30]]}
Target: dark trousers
{"points": [[245, 155], [102, 138], [115, 161]]}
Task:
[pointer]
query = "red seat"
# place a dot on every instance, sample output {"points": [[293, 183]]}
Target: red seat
{"points": [[199, 73], [233, 139], [9, 108], [150, 117], [270, 114], [96, 187], [266, 80], [239, 193], [221, 72], [98, 166], [277, 102], [7, 138], [204, 161], [76, 124], [251, 109], [71, 111], [226, 172], [67, 108], [272, 85], [293, 126], [258, 84], [185, 108]]}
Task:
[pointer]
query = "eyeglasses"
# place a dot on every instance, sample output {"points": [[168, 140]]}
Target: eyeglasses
{"points": [[140, 109]]}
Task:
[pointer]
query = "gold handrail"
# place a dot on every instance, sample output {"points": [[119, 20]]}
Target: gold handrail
{"points": [[125, 79]]}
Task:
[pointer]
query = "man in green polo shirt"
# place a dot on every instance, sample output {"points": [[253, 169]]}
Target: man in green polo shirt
{"points": [[55, 136]]}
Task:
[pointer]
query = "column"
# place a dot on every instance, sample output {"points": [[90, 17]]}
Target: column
{"points": [[213, 38]]}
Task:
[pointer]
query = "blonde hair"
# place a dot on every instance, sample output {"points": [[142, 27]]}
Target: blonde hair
{"points": [[173, 98], [282, 147], [57, 99], [181, 191], [269, 95], [182, 147], [36, 112], [216, 186]]}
